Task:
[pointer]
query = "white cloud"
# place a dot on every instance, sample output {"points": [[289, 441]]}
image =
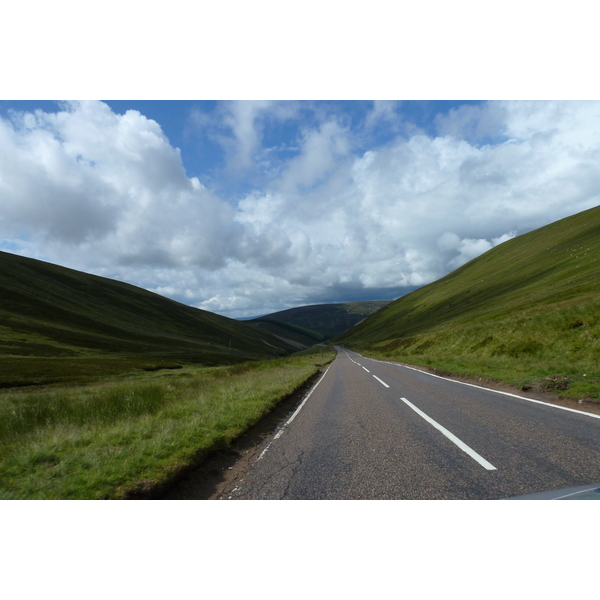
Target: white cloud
{"points": [[321, 151], [241, 118], [448, 241], [474, 122], [110, 184], [469, 249], [382, 111], [107, 193]]}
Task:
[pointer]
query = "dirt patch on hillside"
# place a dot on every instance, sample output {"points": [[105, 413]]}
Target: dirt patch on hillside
{"points": [[292, 343]]}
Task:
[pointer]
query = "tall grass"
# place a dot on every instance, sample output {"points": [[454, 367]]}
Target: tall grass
{"points": [[103, 405], [104, 441], [530, 354]]}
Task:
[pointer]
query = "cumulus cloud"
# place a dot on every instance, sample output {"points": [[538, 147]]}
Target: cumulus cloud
{"points": [[110, 185], [321, 151], [107, 193], [49, 188], [474, 123], [243, 118], [383, 111]]}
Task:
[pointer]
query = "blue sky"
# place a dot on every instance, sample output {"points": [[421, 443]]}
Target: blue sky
{"points": [[248, 207], [203, 156]]}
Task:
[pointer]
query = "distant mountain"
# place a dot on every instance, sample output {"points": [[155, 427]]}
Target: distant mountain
{"points": [[50, 315], [308, 325], [533, 300], [248, 318]]}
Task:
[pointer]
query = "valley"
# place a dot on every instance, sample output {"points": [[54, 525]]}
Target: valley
{"points": [[111, 391]]}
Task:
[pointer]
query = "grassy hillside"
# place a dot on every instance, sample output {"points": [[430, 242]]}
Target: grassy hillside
{"points": [[527, 312], [127, 437], [57, 324], [308, 325]]}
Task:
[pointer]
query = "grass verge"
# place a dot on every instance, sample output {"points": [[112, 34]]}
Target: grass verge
{"points": [[532, 368], [102, 441]]}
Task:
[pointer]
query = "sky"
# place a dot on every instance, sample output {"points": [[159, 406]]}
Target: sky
{"points": [[248, 207], [397, 145]]}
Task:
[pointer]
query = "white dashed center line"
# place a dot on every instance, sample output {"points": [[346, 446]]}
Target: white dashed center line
{"points": [[484, 463], [382, 382]]}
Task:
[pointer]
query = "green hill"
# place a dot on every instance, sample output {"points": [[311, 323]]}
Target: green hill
{"points": [[309, 325], [57, 324], [526, 312]]}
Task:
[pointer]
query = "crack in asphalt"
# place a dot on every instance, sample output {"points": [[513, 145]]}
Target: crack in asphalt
{"points": [[298, 463], [252, 488]]}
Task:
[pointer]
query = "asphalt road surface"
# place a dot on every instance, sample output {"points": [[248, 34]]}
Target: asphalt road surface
{"points": [[376, 430]]}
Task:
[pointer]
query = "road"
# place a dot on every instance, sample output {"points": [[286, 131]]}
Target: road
{"points": [[377, 430]]}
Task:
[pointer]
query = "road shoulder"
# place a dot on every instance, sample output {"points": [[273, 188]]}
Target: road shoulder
{"points": [[218, 474]]}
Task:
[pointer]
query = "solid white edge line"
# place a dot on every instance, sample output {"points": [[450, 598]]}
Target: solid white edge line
{"points": [[307, 397], [382, 382], [480, 387], [484, 463], [294, 415]]}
